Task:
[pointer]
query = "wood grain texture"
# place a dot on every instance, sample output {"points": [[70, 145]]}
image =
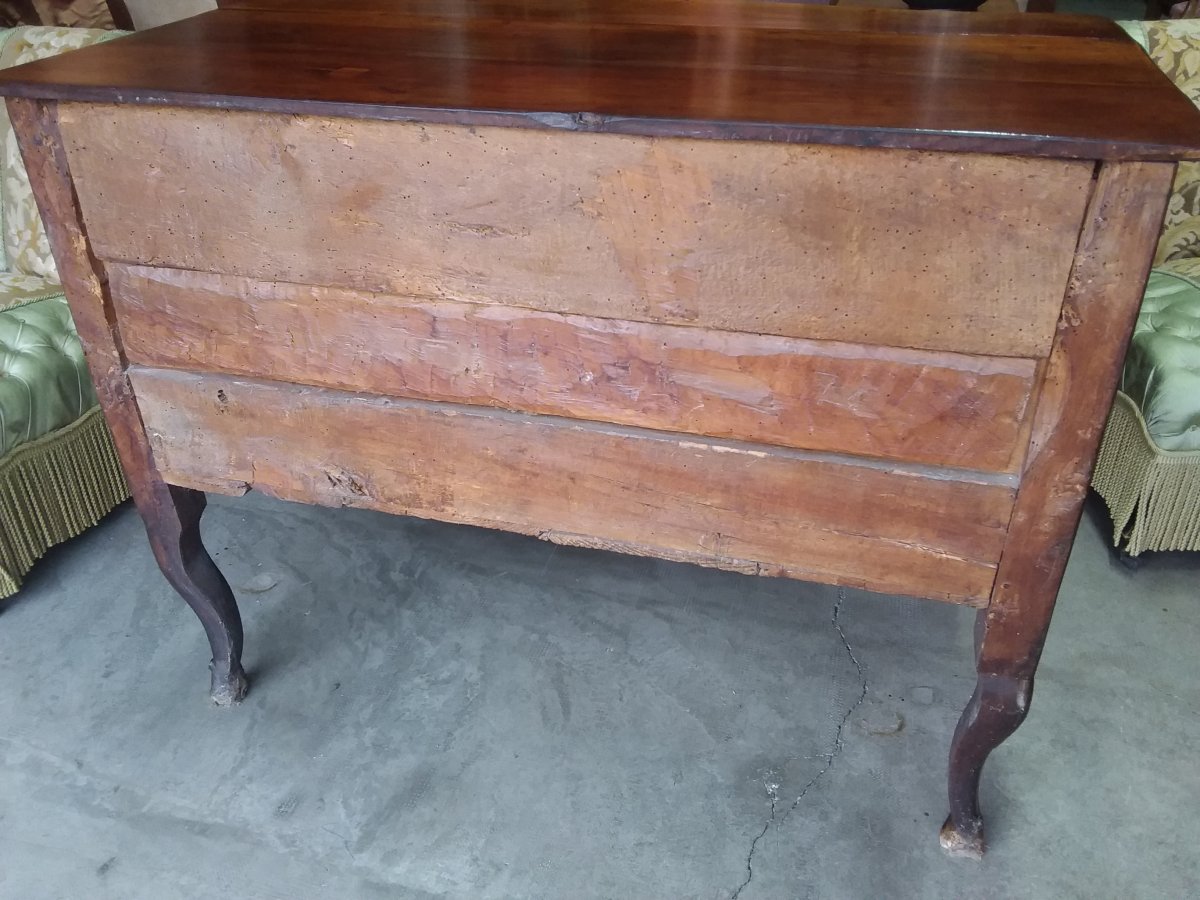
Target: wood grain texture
{"points": [[1004, 84], [935, 251], [731, 505], [700, 13], [937, 408], [1101, 304]]}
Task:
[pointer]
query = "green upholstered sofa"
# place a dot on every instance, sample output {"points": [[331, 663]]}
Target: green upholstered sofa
{"points": [[59, 473], [1148, 471]]}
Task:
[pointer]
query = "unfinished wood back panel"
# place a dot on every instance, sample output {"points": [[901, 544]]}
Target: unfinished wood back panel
{"points": [[938, 251], [732, 505], [916, 405]]}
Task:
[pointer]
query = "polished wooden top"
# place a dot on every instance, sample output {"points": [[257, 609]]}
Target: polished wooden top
{"points": [[1033, 84]]}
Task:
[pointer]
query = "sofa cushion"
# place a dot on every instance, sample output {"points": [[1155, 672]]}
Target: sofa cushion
{"points": [[1162, 369], [44, 383]]}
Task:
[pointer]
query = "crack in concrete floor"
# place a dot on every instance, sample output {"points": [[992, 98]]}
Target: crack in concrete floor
{"points": [[835, 749]]}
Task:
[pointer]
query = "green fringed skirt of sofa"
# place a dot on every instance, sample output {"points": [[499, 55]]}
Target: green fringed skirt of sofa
{"points": [[1149, 466], [1148, 471], [59, 472]]}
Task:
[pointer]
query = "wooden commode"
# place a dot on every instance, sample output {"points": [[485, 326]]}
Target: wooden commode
{"points": [[835, 294]]}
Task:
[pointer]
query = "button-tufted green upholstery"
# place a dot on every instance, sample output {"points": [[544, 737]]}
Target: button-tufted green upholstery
{"points": [[59, 473], [44, 383], [1162, 370]]}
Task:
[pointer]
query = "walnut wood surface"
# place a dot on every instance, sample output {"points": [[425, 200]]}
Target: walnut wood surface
{"points": [[937, 408], [782, 72], [738, 506], [1099, 311], [774, 14], [936, 251]]}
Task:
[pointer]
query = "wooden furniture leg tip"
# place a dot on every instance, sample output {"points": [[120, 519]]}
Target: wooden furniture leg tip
{"points": [[960, 845], [229, 688]]}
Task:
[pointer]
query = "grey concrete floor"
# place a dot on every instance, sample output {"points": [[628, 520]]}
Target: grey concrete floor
{"points": [[440, 711]]}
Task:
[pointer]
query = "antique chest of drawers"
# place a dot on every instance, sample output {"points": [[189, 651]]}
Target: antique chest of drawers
{"points": [[838, 295]]}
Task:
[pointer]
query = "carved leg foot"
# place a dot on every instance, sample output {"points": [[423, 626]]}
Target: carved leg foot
{"points": [[228, 684], [997, 707], [172, 517]]}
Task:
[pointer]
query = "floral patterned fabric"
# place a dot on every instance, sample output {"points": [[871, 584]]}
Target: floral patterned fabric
{"points": [[21, 290], [1174, 45], [26, 250]]}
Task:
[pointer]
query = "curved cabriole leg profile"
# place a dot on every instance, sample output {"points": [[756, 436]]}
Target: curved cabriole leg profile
{"points": [[1108, 276], [996, 709], [172, 517]]}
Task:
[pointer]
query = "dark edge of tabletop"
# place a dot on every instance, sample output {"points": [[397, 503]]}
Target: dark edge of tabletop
{"points": [[1042, 85]]}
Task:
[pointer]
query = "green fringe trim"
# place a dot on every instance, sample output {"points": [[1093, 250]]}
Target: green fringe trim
{"points": [[1158, 489], [54, 488]]}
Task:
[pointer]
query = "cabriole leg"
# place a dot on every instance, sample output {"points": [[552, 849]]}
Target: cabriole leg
{"points": [[172, 517], [996, 709], [1104, 291], [171, 514]]}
